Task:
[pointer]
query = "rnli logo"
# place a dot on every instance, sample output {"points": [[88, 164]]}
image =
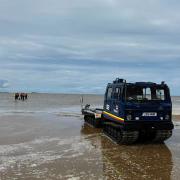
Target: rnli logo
{"points": [[107, 106], [117, 107]]}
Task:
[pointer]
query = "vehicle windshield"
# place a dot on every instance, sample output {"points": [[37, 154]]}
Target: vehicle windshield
{"points": [[140, 93]]}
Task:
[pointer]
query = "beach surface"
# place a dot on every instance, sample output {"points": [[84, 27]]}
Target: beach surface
{"points": [[46, 138], [176, 117]]}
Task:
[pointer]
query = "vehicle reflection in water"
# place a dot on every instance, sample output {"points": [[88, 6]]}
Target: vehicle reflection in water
{"points": [[142, 161]]}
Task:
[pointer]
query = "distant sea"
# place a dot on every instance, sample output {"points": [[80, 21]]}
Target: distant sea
{"points": [[48, 103], [57, 103]]}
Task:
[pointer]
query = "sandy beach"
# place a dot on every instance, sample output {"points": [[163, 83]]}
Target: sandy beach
{"points": [[176, 117], [47, 146], [52, 142]]}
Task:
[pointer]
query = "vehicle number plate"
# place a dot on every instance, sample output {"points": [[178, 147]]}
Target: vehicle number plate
{"points": [[149, 114]]}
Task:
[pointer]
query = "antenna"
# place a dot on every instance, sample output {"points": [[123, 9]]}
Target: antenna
{"points": [[81, 101]]}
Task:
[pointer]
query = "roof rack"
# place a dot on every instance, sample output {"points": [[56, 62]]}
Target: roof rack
{"points": [[118, 80], [145, 83]]}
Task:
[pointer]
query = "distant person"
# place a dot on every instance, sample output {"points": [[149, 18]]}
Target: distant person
{"points": [[16, 97], [22, 96], [25, 96]]}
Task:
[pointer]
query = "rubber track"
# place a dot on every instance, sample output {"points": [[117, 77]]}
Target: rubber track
{"points": [[119, 136], [91, 121], [162, 135]]}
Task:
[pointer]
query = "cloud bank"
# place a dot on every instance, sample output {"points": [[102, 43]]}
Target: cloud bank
{"points": [[78, 46]]}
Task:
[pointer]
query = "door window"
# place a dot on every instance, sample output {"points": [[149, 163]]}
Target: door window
{"points": [[109, 93], [117, 93]]}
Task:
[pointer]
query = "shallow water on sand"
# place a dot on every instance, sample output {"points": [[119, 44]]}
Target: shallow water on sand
{"points": [[53, 103], [48, 146], [46, 103], [46, 138]]}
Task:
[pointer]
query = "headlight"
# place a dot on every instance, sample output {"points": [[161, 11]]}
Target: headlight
{"points": [[129, 117], [136, 118]]}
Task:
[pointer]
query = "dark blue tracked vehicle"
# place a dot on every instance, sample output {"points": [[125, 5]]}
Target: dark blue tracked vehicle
{"points": [[140, 111]]}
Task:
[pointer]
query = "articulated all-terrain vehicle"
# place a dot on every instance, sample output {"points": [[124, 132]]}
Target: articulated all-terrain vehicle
{"points": [[140, 111]]}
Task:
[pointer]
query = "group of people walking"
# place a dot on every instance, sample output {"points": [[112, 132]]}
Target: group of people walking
{"points": [[21, 96]]}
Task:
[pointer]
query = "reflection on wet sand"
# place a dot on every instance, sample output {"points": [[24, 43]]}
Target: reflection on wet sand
{"points": [[133, 162], [62, 147]]}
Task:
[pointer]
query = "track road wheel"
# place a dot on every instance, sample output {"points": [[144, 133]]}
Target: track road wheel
{"points": [[119, 136], [128, 137], [162, 135]]}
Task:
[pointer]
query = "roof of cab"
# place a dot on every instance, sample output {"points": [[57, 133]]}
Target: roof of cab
{"points": [[119, 81]]}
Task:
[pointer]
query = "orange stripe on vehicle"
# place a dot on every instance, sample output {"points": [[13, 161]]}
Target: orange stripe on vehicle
{"points": [[113, 116]]}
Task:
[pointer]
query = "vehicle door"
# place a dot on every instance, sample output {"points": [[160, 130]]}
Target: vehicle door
{"points": [[116, 98], [108, 99]]}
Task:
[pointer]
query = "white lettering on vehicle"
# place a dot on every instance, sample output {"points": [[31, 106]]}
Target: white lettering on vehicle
{"points": [[149, 114], [107, 106]]}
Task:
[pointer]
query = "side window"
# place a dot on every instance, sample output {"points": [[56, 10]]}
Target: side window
{"points": [[109, 93], [117, 93]]}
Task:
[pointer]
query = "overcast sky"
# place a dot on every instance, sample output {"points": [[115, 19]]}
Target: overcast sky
{"points": [[78, 46]]}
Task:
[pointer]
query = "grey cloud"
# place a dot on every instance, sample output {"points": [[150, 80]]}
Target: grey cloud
{"points": [[92, 16], [50, 42]]}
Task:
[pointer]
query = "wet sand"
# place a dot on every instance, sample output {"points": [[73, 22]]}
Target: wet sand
{"points": [[176, 117], [47, 146]]}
